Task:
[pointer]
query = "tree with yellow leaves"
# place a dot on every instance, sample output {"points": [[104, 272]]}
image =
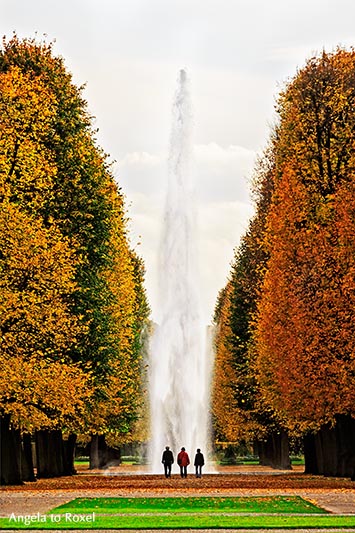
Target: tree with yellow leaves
{"points": [[116, 408], [40, 387], [87, 290]]}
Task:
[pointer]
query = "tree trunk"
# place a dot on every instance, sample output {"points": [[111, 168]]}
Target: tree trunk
{"points": [[345, 431], [101, 455], [260, 451], [310, 455], [284, 458], [69, 455], [275, 451], [49, 452], [103, 452], [94, 452], [331, 451], [280, 451], [27, 459], [319, 452], [264, 448], [10, 453]]}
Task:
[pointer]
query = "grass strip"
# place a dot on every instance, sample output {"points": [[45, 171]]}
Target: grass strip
{"points": [[201, 521], [183, 512], [265, 504]]}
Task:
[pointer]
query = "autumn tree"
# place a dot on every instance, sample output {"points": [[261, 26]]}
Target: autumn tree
{"points": [[305, 332], [117, 408], [241, 414], [36, 272], [40, 387], [223, 406], [58, 180]]}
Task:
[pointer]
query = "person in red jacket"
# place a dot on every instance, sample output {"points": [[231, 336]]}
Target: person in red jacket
{"points": [[183, 461]]}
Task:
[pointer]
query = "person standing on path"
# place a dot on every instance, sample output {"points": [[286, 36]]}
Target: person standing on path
{"points": [[199, 462], [183, 461], [167, 461]]}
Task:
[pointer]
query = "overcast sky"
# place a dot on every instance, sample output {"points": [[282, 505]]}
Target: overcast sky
{"points": [[238, 54]]}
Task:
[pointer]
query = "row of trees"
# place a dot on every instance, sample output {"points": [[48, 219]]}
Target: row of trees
{"points": [[286, 319], [72, 303]]}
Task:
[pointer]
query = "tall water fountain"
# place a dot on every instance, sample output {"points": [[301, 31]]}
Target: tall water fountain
{"points": [[180, 368]]}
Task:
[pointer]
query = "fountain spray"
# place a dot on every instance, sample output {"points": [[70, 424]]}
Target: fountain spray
{"points": [[179, 367]]}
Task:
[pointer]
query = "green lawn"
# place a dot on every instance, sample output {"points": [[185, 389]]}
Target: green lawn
{"points": [[183, 513], [193, 521], [272, 504]]}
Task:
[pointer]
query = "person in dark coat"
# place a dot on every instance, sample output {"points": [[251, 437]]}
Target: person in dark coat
{"points": [[167, 461], [183, 462], [199, 462]]}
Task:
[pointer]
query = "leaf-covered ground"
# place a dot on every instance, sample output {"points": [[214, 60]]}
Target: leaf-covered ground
{"points": [[334, 494], [210, 482]]}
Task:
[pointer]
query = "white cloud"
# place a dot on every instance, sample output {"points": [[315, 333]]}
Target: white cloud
{"points": [[291, 53], [220, 173], [223, 173], [141, 159], [141, 172]]}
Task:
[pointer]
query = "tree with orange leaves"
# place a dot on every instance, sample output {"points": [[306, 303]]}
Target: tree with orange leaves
{"points": [[305, 327], [240, 412]]}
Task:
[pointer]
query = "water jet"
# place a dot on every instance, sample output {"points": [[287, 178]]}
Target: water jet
{"points": [[179, 364]]}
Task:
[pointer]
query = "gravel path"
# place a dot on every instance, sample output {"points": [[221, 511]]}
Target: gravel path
{"points": [[335, 495], [25, 502]]}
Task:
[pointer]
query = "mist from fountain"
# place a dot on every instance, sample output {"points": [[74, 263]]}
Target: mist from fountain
{"points": [[179, 361]]}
